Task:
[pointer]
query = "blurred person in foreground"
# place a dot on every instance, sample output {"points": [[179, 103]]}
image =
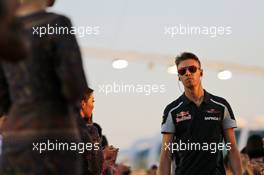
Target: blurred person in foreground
{"points": [[13, 49], [45, 89], [197, 118], [12, 44]]}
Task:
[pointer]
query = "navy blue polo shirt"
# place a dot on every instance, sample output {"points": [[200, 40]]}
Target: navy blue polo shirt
{"points": [[201, 130]]}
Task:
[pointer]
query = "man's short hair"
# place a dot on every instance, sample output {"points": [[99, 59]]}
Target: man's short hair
{"points": [[186, 56]]}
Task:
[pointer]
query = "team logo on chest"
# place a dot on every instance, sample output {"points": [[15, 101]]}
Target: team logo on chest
{"points": [[182, 116], [212, 111], [212, 115]]}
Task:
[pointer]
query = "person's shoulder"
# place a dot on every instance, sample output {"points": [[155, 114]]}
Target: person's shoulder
{"points": [[218, 99], [42, 18], [58, 18], [174, 104]]}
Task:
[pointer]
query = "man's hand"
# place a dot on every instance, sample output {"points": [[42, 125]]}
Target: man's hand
{"points": [[165, 156], [234, 154]]}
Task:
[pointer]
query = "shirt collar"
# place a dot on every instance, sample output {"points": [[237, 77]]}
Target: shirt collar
{"points": [[187, 101]]}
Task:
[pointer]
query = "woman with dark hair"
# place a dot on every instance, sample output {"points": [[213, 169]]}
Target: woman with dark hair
{"points": [[87, 105], [105, 158], [90, 133]]}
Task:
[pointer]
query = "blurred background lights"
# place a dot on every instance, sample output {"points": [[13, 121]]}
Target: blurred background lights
{"points": [[224, 75], [120, 64], [172, 70]]}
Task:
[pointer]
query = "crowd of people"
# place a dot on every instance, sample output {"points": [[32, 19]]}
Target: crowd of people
{"points": [[252, 157]]}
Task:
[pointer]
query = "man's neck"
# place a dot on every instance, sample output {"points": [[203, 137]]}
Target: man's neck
{"points": [[195, 94]]}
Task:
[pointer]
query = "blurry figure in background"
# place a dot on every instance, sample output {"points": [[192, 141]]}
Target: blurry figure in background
{"points": [[246, 167], [104, 141], [12, 44], [255, 152], [110, 167], [89, 129], [124, 169], [45, 89], [153, 170], [110, 155], [99, 130], [106, 160]]}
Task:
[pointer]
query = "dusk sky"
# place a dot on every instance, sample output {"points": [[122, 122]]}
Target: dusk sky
{"points": [[140, 27]]}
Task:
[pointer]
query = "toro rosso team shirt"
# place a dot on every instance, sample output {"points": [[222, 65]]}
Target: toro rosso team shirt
{"points": [[198, 134]]}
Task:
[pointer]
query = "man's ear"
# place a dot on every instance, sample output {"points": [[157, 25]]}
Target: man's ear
{"points": [[201, 73], [179, 78]]}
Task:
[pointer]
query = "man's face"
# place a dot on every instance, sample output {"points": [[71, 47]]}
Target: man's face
{"points": [[189, 73], [88, 106]]}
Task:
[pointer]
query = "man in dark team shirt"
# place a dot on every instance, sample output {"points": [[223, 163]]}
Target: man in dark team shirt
{"points": [[195, 125]]}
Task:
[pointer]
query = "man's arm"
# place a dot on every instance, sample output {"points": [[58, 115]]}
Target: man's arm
{"points": [[165, 155], [234, 155]]}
